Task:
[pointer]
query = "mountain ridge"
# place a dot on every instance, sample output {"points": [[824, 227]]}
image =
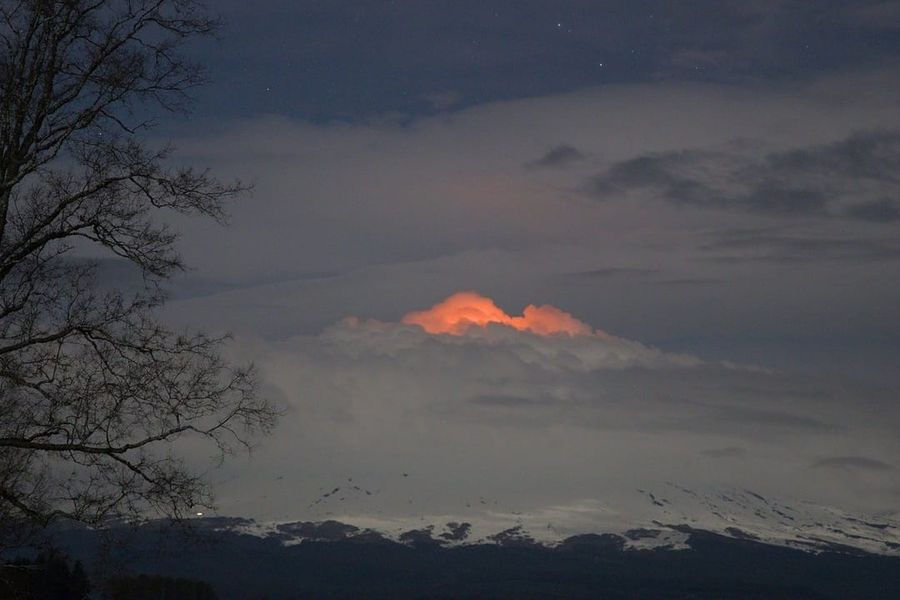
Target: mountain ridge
{"points": [[645, 519]]}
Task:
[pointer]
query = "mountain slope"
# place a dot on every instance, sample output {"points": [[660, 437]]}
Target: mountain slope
{"points": [[643, 518]]}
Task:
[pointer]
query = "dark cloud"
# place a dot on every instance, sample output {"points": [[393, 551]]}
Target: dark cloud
{"points": [[750, 418], [873, 155], [852, 462], [743, 422], [782, 247], [652, 171], [614, 272], [353, 59], [557, 157], [849, 178], [690, 282], [727, 452], [503, 401], [877, 211]]}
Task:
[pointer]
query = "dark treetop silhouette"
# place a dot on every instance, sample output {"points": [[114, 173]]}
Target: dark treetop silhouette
{"points": [[94, 391]]}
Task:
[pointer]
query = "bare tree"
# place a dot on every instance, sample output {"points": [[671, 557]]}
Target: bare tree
{"points": [[96, 396]]}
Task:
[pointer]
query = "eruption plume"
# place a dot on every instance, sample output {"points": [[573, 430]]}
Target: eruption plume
{"points": [[463, 310]]}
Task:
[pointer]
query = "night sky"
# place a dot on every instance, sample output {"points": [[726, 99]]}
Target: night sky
{"points": [[714, 186]]}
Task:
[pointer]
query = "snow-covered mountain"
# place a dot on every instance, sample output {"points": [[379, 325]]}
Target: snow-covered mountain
{"points": [[668, 541], [659, 518]]}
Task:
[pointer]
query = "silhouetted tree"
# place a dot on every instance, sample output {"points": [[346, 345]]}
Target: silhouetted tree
{"points": [[93, 389]]}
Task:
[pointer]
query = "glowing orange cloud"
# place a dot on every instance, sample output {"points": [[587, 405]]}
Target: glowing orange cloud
{"points": [[463, 310]]}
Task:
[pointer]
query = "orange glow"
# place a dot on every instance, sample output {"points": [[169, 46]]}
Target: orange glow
{"points": [[463, 310]]}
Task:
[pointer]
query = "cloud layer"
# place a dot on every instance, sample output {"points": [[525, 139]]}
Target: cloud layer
{"points": [[853, 178], [781, 250], [427, 423]]}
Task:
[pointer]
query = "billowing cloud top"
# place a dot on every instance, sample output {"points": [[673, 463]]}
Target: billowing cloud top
{"points": [[463, 310]]}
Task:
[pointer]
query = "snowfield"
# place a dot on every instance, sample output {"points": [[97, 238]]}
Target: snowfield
{"points": [[644, 519]]}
